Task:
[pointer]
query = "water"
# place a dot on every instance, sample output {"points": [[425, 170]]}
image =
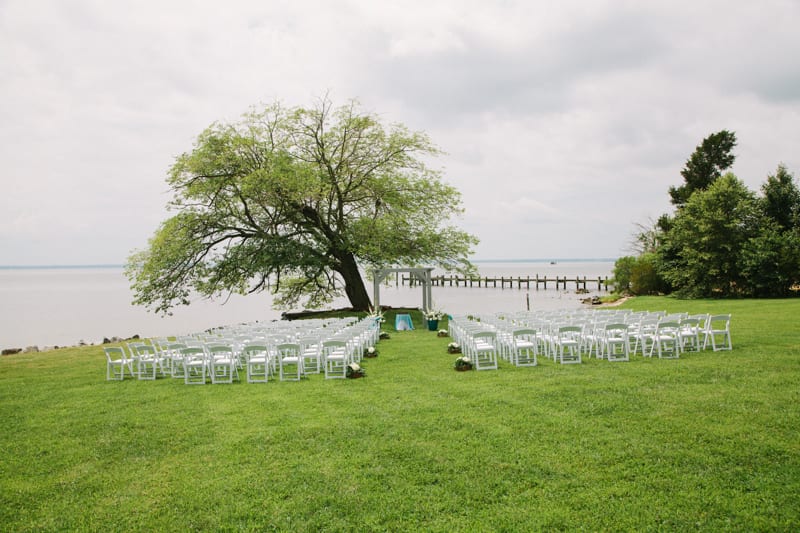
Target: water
{"points": [[63, 306]]}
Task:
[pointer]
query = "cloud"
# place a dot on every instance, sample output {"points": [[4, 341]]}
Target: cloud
{"points": [[563, 123]]}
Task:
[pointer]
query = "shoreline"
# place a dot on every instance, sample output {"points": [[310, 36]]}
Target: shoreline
{"points": [[98, 301]]}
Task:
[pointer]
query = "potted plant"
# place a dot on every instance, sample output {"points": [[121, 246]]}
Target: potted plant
{"points": [[463, 364], [442, 333], [453, 347], [432, 316]]}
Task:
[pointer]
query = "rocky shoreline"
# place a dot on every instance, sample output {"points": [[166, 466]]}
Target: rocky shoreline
{"points": [[36, 349]]}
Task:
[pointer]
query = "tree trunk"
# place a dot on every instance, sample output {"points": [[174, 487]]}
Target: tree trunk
{"points": [[354, 284]]}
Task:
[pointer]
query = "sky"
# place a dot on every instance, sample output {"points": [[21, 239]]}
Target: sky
{"points": [[563, 123]]}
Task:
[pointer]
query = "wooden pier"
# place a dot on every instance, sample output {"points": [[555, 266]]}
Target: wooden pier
{"points": [[527, 282]]}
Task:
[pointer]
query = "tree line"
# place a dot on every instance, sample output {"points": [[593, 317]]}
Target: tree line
{"points": [[723, 239]]}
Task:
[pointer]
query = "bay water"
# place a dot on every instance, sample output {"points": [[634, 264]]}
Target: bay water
{"points": [[63, 306]]}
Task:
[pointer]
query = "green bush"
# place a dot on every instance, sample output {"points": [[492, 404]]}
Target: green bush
{"points": [[638, 276]]}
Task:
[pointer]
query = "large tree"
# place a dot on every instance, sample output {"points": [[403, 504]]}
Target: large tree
{"points": [[705, 165], [781, 199], [299, 201], [701, 253]]}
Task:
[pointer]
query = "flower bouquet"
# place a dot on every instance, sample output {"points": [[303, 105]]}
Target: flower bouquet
{"points": [[453, 347], [370, 351], [462, 364], [432, 317], [375, 314], [432, 314], [354, 371], [442, 333]]}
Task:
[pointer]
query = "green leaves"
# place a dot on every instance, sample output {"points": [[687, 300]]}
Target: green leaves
{"points": [[706, 237], [705, 165], [294, 199]]}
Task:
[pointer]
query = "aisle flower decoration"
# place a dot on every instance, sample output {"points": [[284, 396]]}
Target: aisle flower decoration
{"points": [[370, 351], [463, 363], [442, 333], [453, 347], [376, 314], [432, 314], [354, 370]]}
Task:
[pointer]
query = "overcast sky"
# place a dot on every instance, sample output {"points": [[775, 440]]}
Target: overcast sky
{"points": [[563, 123]]}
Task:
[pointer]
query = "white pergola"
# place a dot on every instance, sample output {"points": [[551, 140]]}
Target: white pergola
{"points": [[422, 274]]}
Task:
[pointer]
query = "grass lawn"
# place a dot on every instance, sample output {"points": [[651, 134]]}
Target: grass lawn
{"points": [[708, 442]]}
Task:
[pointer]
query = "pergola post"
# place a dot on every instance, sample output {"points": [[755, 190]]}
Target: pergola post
{"points": [[422, 274]]}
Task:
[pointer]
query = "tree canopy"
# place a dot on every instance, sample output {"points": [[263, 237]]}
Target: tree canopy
{"points": [[723, 239], [781, 200], [701, 251], [299, 201], [705, 165]]}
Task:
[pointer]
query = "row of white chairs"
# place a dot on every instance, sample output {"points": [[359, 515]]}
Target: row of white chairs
{"points": [[484, 344], [613, 335], [261, 352]]}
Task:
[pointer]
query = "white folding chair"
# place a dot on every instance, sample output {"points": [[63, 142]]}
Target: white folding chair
{"points": [[222, 364], [290, 363], [147, 361], [483, 350], [311, 352], [718, 332], [116, 363], [689, 334], [615, 343], [257, 361], [334, 356], [524, 346], [194, 365], [567, 344], [666, 341]]}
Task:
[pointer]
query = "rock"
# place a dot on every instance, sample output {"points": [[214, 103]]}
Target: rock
{"points": [[10, 351], [31, 349]]}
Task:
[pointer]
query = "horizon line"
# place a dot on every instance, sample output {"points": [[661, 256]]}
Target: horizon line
{"points": [[489, 260]]}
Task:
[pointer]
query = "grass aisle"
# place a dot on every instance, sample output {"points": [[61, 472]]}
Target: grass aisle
{"points": [[709, 442]]}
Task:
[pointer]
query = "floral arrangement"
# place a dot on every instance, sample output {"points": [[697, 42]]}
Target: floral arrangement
{"points": [[384, 336], [463, 363], [442, 333], [432, 314], [354, 370], [370, 351], [453, 347], [375, 314]]}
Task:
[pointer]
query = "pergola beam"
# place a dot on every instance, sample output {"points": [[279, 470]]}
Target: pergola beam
{"points": [[422, 274]]}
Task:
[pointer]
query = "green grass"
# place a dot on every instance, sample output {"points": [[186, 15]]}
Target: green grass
{"points": [[708, 442]]}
